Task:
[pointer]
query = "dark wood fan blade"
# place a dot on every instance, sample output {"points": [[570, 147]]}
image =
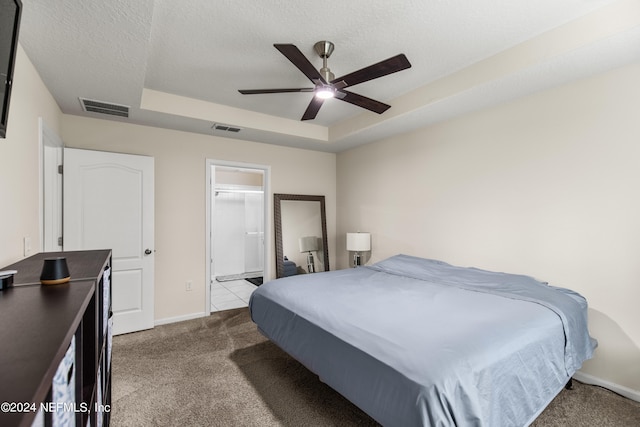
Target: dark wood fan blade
{"points": [[259, 91], [339, 84], [313, 108], [298, 59], [364, 102], [382, 68]]}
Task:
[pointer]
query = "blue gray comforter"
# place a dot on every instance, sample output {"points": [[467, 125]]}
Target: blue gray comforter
{"points": [[421, 342]]}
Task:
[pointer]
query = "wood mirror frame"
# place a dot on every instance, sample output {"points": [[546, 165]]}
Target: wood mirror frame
{"points": [[277, 214]]}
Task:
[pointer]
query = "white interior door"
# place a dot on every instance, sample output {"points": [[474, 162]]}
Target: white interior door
{"points": [[108, 204]]}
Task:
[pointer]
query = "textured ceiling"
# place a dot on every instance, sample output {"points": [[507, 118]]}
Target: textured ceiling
{"points": [[179, 64]]}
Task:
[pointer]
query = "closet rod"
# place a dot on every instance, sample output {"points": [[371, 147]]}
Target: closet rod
{"points": [[238, 191]]}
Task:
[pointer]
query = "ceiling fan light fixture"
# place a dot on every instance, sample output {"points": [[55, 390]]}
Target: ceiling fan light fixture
{"points": [[325, 92], [327, 86]]}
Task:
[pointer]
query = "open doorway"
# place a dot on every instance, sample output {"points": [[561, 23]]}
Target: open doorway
{"points": [[236, 218]]}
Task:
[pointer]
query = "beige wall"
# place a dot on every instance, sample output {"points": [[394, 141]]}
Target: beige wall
{"points": [[548, 185], [180, 175], [230, 177], [19, 161]]}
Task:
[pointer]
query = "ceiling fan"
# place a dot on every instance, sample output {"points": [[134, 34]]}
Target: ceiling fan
{"points": [[327, 86]]}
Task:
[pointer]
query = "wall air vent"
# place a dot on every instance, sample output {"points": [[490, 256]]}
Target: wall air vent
{"points": [[226, 128], [102, 107]]}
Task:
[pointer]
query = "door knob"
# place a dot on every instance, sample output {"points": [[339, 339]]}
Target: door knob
{"points": [[147, 251]]}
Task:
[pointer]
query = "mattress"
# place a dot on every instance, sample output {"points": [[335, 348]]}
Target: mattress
{"points": [[418, 342]]}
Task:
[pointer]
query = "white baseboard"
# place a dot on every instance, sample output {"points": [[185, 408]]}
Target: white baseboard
{"points": [[168, 320], [617, 388]]}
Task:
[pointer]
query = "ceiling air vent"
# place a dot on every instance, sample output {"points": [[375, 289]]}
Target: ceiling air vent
{"points": [[226, 128], [102, 107]]}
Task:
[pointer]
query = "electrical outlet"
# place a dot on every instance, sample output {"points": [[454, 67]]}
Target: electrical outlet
{"points": [[187, 285], [27, 245]]}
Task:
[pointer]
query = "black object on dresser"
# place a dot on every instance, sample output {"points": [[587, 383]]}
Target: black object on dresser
{"points": [[55, 357]]}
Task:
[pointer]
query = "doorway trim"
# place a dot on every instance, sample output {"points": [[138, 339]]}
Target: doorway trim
{"points": [[209, 183], [50, 208]]}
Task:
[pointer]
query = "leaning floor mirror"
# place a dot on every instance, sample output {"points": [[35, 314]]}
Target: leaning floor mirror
{"points": [[300, 234]]}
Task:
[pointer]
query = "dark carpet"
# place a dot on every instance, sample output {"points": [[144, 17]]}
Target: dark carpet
{"points": [[219, 371]]}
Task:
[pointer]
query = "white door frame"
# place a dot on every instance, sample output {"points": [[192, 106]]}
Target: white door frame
{"points": [[266, 218], [50, 208]]}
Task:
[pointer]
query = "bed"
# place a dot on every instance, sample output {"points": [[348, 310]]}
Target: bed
{"points": [[419, 342]]}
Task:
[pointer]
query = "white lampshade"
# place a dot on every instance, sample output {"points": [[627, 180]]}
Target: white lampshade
{"points": [[358, 241], [308, 243]]}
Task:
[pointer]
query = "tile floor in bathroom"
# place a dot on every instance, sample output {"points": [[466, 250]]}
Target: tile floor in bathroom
{"points": [[230, 294]]}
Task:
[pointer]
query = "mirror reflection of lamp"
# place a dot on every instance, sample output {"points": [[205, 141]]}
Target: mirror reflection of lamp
{"points": [[358, 242], [309, 244]]}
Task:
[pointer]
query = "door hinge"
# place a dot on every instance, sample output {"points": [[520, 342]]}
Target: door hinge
{"points": [[59, 241], [60, 169]]}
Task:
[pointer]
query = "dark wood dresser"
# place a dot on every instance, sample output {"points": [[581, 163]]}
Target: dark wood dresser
{"points": [[55, 343]]}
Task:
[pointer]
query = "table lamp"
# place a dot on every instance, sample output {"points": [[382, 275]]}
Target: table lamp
{"points": [[309, 244], [358, 242]]}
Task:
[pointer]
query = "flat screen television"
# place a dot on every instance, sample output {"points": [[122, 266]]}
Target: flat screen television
{"points": [[9, 25]]}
